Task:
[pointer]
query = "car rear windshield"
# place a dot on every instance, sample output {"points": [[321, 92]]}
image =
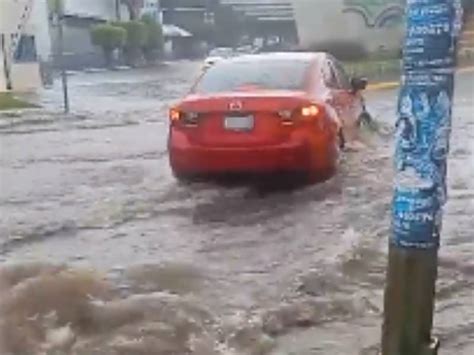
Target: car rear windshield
{"points": [[261, 74]]}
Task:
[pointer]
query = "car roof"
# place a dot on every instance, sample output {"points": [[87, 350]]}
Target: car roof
{"points": [[275, 56]]}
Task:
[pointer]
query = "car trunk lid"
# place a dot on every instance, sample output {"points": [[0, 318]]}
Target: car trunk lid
{"points": [[240, 119]]}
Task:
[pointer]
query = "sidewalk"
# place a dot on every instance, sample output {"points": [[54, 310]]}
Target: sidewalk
{"points": [[392, 84]]}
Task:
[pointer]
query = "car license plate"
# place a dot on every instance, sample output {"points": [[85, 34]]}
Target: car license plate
{"points": [[239, 123]]}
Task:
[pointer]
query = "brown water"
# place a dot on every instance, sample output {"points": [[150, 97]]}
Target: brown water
{"points": [[104, 253]]}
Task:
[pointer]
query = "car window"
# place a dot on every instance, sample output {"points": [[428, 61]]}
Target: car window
{"points": [[263, 74], [330, 76], [342, 77]]}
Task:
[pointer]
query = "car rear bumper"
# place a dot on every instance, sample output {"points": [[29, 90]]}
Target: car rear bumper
{"points": [[192, 159]]}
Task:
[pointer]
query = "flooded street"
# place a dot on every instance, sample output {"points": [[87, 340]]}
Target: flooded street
{"points": [[105, 253]]}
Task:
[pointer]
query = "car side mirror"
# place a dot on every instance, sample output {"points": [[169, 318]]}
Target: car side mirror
{"points": [[359, 84]]}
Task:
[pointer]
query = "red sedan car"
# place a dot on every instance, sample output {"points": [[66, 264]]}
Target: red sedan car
{"points": [[267, 113]]}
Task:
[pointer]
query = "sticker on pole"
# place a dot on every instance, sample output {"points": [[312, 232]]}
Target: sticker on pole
{"points": [[424, 123], [422, 146], [431, 31]]}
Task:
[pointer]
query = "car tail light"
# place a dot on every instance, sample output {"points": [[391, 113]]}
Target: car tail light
{"points": [[288, 117], [175, 115], [310, 111], [188, 118]]}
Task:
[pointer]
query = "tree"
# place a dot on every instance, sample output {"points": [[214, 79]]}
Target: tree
{"points": [[154, 44], [54, 6], [133, 7], [135, 40], [109, 38]]}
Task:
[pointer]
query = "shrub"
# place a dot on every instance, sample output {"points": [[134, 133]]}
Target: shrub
{"points": [[154, 39], [109, 38], [55, 5], [136, 40], [342, 50], [136, 33]]}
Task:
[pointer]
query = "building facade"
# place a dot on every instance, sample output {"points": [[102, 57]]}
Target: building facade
{"points": [[374, 24], [21, 69], [267, 18], [79, 17]]}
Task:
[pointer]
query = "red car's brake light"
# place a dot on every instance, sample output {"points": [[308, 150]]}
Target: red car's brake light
{"points": [[188, 118], [310, 111], [288, 117], [175, 115]]}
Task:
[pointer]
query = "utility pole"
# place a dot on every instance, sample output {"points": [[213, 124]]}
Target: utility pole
{"points": [[6, 64], [59, 9], [118, 14], [422, 145]]}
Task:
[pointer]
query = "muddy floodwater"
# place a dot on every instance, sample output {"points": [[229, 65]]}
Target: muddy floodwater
{"points": [[103, 252]]}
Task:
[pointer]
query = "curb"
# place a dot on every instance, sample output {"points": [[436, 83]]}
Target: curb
{"points": [[383, 86], [466, 70], [394, 84]]}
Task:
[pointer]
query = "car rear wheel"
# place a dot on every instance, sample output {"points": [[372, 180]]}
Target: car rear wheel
{"points": [[182, 177], [314, 177], [325, 168], [366, 120], [341, 140]]}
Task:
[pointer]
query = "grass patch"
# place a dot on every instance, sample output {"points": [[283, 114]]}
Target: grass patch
{"points": [[375, 70], [9, 102]]}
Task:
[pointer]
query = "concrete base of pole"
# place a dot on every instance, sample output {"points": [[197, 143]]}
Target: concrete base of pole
{"points": [[409, 302]]}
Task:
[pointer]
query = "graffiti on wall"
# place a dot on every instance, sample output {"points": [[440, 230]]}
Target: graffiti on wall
{"points": [[377, 13]]}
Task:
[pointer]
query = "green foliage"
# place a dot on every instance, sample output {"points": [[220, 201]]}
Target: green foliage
{"points": [[343, 50], [136, 39], [155, 42], [9, 102], [55, 5], [108, 37], [136, 33], [155, 39]]}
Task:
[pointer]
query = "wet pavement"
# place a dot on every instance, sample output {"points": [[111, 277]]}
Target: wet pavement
{"points": [[151, 266]]}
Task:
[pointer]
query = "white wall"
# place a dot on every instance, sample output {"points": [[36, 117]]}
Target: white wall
{"points": [[40, 19], [25, 76], [10, 12], [325, 20], [99, 9]]}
